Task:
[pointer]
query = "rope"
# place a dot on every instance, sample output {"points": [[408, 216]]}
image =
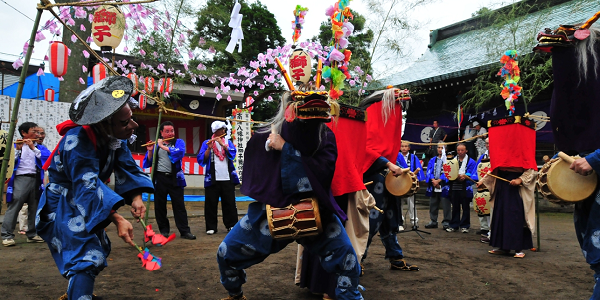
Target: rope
{"points": [[210, 117], [49, 5], [527, 115], [449, 143]]}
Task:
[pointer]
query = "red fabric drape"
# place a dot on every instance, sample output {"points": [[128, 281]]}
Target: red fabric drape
{"points": [[350, 136], [383, 140], [512, 146]]}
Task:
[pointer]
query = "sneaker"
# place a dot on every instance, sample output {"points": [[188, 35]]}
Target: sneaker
{"points": [[464, 230], [401, 228], [229, 229], [210, 232], [431, 225], [8, 242], [450, 229], [400, 264], [484, 240], [35, 239], [445, 227]]}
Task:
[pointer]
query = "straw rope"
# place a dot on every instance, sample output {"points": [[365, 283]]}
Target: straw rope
{"points": [[211, 117], [49, 5], [528, 115], [448, 143]]}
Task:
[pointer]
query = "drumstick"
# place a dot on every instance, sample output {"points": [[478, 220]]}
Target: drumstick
{"points": [[497, 177], [152, 143], [370, 182], [565, 157], [378, 209], [417, 171]]}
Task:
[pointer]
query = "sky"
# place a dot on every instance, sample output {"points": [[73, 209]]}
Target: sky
{"points": [[17, 22]]}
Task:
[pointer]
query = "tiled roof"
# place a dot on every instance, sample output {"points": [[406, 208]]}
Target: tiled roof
{"points": [[462, 54]]}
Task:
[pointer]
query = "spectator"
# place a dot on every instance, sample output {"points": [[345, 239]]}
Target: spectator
{"points": [[461, 191], [484, 220], [480, 142], [220, 179], [470, 132], [25, 185], [169, 179], [438, 191], [407, 160]]}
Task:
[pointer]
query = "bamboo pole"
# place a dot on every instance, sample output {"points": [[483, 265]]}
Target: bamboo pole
{"points": [[17, 102]]}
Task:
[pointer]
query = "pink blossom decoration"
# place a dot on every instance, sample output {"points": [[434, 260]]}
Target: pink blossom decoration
{"points": [[255, 93], [81, 27], [73, 38], [39, 36], [17, 64], [202, 92], [86, 54], [229, 98], [212, 50], [71, 22], [40, 72], [81, 80], [219, 97], [142, 52], [61, 78], [84, 69]]}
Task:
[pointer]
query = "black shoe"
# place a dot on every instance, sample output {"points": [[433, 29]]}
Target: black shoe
{"points": [[431, 225], [188, 236], [229, 229], [165, 234], [445, 227], [482, 232]]}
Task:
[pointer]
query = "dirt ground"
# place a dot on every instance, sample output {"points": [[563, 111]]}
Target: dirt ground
{"points": [[453, 266]]}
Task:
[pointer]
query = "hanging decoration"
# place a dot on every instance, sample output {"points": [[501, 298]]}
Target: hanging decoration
{"points": [[49, 95], [511, 73], [108, 27], [237, 35], [136, 82], [149, 85], [58, 58], [168, 84], [142, 101], [99, 72], [300, 66], [337, 61], [299, 14]]}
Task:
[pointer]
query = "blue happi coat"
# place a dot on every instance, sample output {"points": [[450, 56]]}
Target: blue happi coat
{"points": [[431, 175], [207, 164], [39, 162], [176, 153], [74, 208], [414, 164]]}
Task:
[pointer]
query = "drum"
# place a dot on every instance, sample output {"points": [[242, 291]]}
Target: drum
{"points": [[481, 202], [561, 185], [3, 148], [451, 169], [483, 168], [404, 185], [295, 221]]}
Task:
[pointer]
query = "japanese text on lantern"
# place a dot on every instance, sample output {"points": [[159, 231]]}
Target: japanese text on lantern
{"points": [[104, 16], [297, 64], [101, 31]]}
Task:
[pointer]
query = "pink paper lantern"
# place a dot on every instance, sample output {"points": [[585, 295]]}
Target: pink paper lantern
{"points": [[99, 72], [58, 58], [49, 95], [149, 85], [135, 79]]}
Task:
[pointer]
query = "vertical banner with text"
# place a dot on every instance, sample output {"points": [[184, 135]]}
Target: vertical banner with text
{"points": [[240, 134]]}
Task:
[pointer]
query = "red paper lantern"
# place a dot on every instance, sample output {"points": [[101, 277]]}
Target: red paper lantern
{"points": [[99, 72], [149, 85], [49, 95], [161, 85], [142, 101], [135, 79], [58, 58]]}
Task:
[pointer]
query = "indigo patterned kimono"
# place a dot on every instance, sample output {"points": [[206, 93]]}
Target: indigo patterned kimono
{"points": [[74, 208]]}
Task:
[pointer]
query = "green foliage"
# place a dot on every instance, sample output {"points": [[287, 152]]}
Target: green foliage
{"points": [[511, 27], [155, 43], [258, 24], [265, 110]]}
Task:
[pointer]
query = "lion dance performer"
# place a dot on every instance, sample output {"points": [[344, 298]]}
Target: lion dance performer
{"points": [[574, 118], [384, 127], [299, 164], [77, 205]]}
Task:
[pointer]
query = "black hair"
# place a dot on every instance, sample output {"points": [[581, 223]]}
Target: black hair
{"points": [[26, 126], [163, 124]]}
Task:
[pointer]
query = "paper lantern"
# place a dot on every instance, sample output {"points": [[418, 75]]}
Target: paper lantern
{"points": [[169, 84], [300, 66], [49, 95], [99, 72], [149, 85], [135, 79], [142, 101], [108, 27], [58, 58]]}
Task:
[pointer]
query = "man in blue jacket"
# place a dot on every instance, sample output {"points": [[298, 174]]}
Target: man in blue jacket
{"points": [[26, 184], [169, 179], [216, 156], [438, 190], [461, 191], [407, 160]]}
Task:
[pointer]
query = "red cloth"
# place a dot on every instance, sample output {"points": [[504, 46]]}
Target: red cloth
{"points": [[350, 136], [62, 129], [382, 140], [512, 146]]}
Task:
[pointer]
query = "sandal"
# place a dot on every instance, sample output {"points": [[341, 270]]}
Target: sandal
{"points": [[497, 252], [519, 255], [400, 264]]}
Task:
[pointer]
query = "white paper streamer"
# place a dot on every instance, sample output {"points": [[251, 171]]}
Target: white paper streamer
{"points": [[237, 35]]}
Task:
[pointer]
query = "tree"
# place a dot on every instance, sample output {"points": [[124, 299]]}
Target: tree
{"points": [[511, 27], [156, 48], [213, 34]]}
